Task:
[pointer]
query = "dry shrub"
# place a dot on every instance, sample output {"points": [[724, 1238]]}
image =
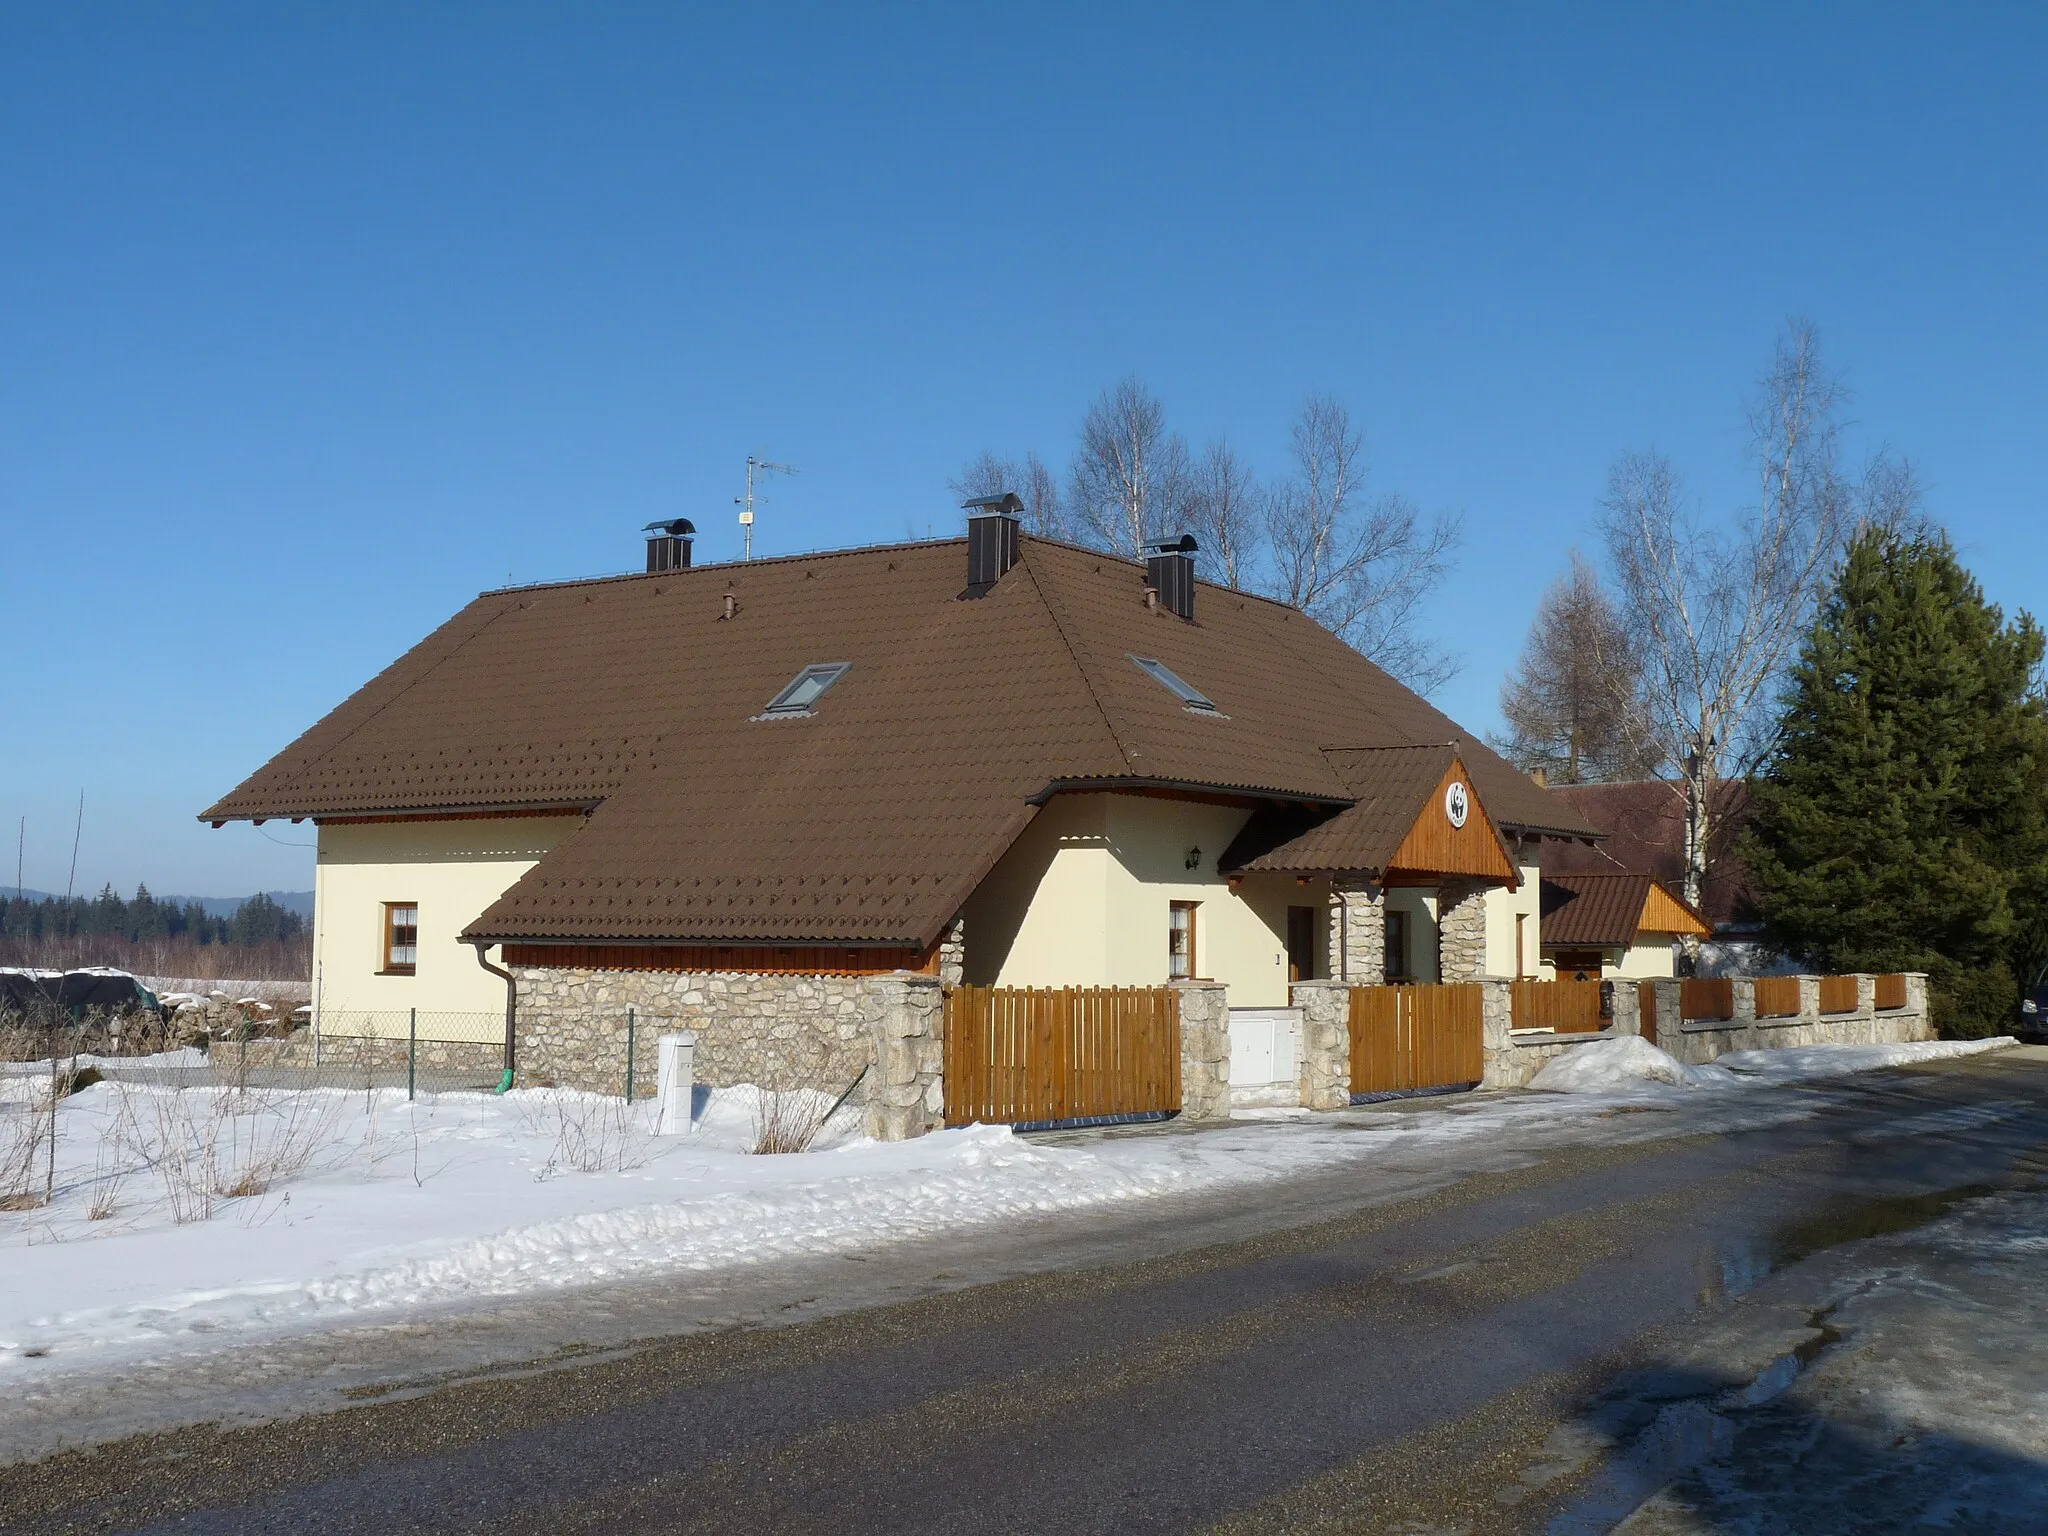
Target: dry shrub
{"points": [[211, 1144], [592, 1133], [792, 1104]]}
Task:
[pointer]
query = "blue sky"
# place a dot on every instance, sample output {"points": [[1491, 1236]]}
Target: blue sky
{"points": [[316, 321]]}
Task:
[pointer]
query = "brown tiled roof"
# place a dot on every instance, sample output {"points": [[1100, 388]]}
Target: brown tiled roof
{"points": [[1592, 910], [873, 818], [1390, 783], [1645, 826]]}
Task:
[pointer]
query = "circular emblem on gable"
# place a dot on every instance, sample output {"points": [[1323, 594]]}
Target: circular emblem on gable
{"points": [[1457, 803]]}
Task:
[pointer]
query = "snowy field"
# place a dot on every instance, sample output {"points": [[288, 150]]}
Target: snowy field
{"points": [[193, 1216]]}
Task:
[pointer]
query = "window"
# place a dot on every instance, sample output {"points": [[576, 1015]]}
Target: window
{"points": [[805, 690], [1301, 943], [401, 938], [1397, 947], [1180, 941], [1189, 695], [1521, 934]]}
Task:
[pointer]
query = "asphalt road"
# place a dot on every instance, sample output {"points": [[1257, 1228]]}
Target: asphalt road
{"points": [[1476, 1357]]}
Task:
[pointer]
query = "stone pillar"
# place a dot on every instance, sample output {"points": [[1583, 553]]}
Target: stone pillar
{"points": [[1461, 930], [1866, 994], [1744, 1007], [1628, 1008], [1358, 933], [953, 953], [1325, 1043], [1809, 999], [906, 1017], [1204, 1049], [1496, 1025]]}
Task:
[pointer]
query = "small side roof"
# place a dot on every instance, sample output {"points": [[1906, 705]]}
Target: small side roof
{"points": [[1607, 911]]}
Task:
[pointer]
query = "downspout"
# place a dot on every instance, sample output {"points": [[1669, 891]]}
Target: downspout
{"points": [[511, 1009]]}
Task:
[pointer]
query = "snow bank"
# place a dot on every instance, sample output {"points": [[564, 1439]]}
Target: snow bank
{"points": [[1629, 1063], [1803, 1062], [1621, 1065]]}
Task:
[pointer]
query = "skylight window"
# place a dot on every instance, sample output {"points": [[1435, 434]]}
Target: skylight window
{"points": [[1192, 697], [805, 690]]}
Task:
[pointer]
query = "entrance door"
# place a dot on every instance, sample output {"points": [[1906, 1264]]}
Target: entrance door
{"points": [[1301, 944]]}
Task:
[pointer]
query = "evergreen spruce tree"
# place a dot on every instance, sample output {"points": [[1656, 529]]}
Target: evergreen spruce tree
{"points": [[1902, 821]]}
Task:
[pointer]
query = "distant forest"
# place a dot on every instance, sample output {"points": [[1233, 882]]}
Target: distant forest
{"points": [[261, 940]]}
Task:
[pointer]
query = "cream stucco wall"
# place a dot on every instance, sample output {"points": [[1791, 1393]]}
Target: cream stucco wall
{"points": [[452, 870], [1082, 899], [1503, 906], [1650, 955]]}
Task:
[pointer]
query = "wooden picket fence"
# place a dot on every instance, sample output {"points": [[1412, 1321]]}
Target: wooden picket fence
{"points": [[1049, 1055], [1567, 1007], [1409, 1037]]}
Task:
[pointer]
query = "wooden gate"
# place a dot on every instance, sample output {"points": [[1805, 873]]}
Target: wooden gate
{"points": [[1646, 1007], [1409, 1037], [1041, 1056]]}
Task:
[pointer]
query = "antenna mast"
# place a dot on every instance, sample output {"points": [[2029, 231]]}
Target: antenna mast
{"points": [[746, 503]]}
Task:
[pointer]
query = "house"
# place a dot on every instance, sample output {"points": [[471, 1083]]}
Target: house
{"points": [[1645, 825], [1613, 924], [735, 795]]}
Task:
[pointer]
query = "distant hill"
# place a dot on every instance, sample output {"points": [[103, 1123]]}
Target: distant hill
{"points": [[300, 902]]}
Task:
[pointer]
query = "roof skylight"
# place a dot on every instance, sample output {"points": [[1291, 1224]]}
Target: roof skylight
{"points": [[1192, 697], [804, 690]]}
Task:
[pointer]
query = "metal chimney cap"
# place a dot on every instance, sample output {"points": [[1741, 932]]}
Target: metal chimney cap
{"points": [[1009, 504], [675, 528], [1184, 545]]}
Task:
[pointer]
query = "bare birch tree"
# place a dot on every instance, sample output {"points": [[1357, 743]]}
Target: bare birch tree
{"points": [[1359, 568], [988, 474], [1570, 704], [1714, 613], [1226, 514], [1131, 475]]}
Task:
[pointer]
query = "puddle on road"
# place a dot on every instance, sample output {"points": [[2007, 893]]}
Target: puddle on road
{"points": [[1737, 1266], [1663, 1423]]}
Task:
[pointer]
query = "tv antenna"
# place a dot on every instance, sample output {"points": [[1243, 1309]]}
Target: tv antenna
{"points": [[745, 503]]}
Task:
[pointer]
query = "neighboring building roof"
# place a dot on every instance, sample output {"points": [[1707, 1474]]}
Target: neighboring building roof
{"points": [[1607, 911], [872, 818], [1645, 826]]}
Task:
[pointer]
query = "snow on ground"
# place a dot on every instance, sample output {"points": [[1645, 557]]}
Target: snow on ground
{"points": [[1629, 1063], [196, 1214]]}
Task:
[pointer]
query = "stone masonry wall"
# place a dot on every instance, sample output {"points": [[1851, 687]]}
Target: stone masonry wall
{"points": [[777, 1031], [1358, 934]]}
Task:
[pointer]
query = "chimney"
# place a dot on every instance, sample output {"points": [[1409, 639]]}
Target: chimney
{"points": [[1541, 777], [1170, 571], [991, 540], [668, 545]]}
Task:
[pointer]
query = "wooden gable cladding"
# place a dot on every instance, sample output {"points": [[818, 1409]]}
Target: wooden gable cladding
{"points": [[1435, 847], [1665, 913]]}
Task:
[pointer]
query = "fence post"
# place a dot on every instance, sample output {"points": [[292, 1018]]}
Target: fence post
{"points": [[412, 1048], [629, 1055]]}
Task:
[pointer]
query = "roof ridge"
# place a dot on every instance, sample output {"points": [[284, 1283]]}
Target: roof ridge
{"points": [[1083, 663], [722, 565]]}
